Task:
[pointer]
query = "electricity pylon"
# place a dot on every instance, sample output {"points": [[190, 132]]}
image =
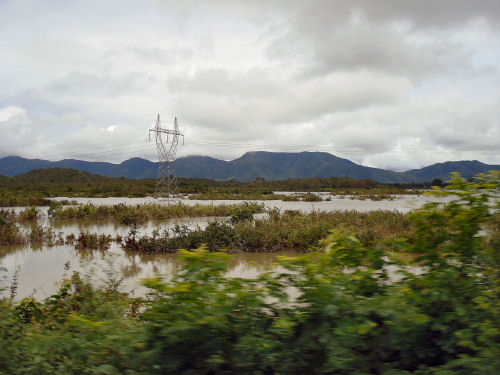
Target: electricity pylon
{"points": [[166, 183]]}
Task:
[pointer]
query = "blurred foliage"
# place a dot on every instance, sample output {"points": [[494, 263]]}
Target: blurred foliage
{"points": [[341, 310]]}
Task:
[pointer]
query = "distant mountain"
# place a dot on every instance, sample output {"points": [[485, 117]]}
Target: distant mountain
{"points": [[14, 165], [281, 165], [268, 165], [466, 168], [132, 168], [202, 167]]}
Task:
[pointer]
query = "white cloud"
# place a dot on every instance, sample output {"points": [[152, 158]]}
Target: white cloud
{"points": [[10, 113], [390, 83]]}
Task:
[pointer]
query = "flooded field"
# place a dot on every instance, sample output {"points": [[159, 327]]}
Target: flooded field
{"points": [[39, 269], [401, 203]]}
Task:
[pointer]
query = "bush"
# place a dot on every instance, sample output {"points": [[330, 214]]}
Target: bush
{"points": [[91, 241], [29, 213], [9, 232], [310, 197], [244, 212]]}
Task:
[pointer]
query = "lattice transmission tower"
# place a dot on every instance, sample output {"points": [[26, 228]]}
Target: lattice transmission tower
{"points": [[166, 183]]}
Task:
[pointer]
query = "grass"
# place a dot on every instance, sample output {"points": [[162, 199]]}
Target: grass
{"points": [[21, 198], [150, 211]]}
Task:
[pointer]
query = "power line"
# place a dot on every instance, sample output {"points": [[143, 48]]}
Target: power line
{"points": [[125, 149], [106, 149], [341, 148]]}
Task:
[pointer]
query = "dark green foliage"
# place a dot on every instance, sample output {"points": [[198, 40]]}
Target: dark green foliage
{"points": [[78, 330], [244, 212], [215, 235], [35, 186], [437, 182]]}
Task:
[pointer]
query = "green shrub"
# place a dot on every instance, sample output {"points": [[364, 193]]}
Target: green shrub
{"points": [[244, 212]]}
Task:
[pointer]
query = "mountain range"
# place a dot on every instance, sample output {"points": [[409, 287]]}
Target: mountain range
{"points": [[267, 165]]}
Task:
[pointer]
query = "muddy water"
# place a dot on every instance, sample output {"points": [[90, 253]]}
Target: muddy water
{"points": [[402, 203], [114, 228], [41, 268]]}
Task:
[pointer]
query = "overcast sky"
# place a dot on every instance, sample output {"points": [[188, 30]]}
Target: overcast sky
{"points": [[393, 84]]}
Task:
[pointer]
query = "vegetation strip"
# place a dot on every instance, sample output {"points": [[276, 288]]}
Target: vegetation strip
{"points": [[150, 211], [35, 187], [291, 230]]}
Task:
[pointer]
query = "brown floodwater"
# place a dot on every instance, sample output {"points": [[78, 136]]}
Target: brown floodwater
{"points": [[40, 269], [401, 203]]}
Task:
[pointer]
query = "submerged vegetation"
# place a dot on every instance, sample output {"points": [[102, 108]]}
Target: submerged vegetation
{"points": [[441, 321], [149, 211], [291, 230], [9, 232]]}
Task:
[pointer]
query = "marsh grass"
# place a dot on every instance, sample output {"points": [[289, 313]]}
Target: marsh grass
{"points": [[291, 230], [150, 211]]}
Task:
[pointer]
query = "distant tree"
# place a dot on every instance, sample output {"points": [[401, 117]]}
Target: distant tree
{"points": [[437, 182]]}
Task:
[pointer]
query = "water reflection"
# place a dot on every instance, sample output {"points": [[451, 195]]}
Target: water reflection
{"points": [[105, 226], [42, 268]]}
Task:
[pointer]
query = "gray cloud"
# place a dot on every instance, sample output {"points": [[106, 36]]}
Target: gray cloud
{"points": [[390, 83]]}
